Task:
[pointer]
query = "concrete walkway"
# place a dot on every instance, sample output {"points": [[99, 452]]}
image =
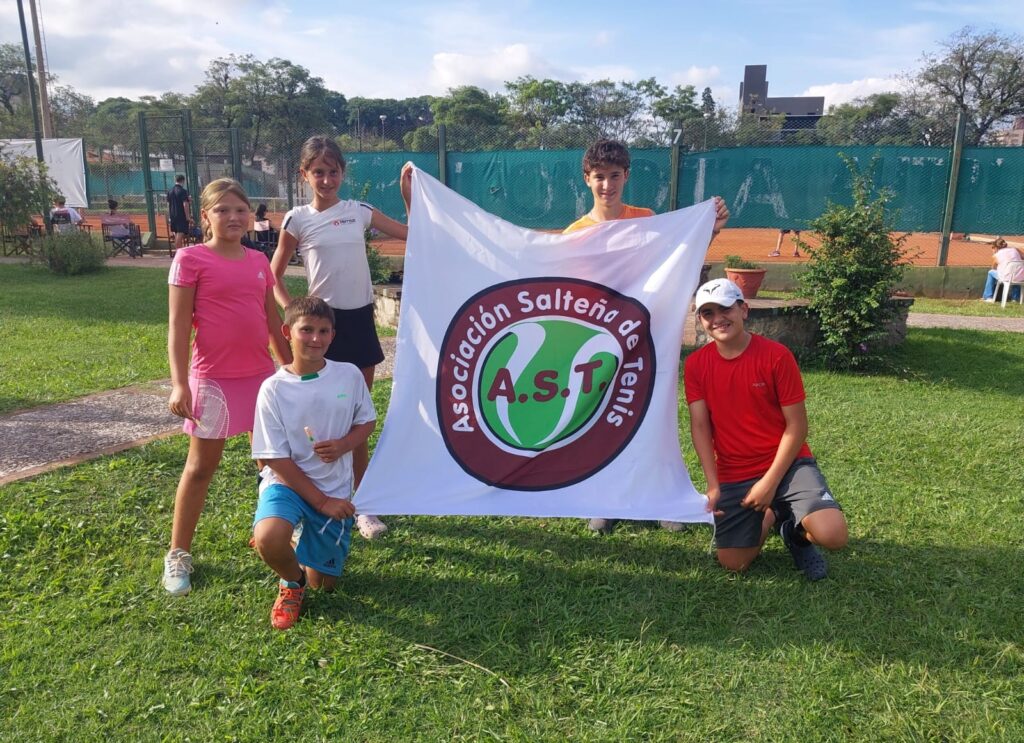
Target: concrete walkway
{"points": [[964, 322], [45, 438]]}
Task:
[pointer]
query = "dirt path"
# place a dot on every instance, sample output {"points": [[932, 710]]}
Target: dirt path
{"points": [[42, 439], [45, 438]]}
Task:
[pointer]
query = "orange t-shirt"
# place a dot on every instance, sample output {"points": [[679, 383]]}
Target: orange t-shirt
{"points": [[628, 212]]}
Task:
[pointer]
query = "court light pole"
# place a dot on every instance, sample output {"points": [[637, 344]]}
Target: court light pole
{"points": [[383, 118], [35, 105]]}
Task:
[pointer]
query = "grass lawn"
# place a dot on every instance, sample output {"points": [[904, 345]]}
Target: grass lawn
{"points": [[64, 337], [916, 634], [927, 305], [973, 307]]}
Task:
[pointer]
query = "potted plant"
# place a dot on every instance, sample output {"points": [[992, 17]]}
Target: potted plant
{"points": [[746, 275]]}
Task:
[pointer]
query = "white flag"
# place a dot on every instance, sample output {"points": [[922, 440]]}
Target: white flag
{"points": [[537, 374]]}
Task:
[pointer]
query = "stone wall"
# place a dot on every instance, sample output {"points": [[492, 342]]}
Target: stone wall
{"points": [[785, 320], [790, 322], [387, 304]]}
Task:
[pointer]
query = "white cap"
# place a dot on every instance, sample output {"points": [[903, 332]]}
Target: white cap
{"points": [[718, 291]]}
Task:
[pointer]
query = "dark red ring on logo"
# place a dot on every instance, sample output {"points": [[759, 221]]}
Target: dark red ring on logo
{"points": [[573, 462]]}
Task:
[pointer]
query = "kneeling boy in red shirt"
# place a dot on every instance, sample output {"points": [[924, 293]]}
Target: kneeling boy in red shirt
{"points": [[749, 428]]}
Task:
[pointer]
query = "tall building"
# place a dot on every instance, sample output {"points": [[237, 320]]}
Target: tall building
{"points": [[801, 112]]}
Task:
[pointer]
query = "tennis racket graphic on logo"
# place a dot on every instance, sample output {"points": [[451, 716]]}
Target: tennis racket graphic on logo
{"points": [[211, 410]]}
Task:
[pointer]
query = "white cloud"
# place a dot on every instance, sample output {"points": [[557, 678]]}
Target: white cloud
{"points": [[602, 38], [489, 70], [836, 93], [698, 77]]}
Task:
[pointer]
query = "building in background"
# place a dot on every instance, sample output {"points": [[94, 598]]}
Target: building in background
{"points": [[801, 112], [1012, 137]]}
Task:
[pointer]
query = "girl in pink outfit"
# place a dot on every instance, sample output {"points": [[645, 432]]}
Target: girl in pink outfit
{"points": [[225, 293]]}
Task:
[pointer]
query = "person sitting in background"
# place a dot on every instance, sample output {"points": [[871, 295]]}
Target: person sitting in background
{"points": [[65, 218], [116, 224], [261, 224], [1002, 256]]}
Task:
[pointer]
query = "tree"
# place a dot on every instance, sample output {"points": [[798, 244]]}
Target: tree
{"points": [[707, 102], [616, 110], [474, 118], [71, 111], [400, 117], [294, 108], [12, 76], [981, 73], [15, 110], [219, 100], [112, 124], [274, 103], [468, 105], [679, 111], [536, 103], [26, 188]]}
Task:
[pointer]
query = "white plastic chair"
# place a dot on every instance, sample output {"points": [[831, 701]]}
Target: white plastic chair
{"points": [[1011, 269]]}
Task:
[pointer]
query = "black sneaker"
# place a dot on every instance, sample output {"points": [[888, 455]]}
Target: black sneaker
{"points": [[602, 526], [807, 558]]}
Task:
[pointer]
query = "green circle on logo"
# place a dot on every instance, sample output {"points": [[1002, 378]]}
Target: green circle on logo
{"points": [[544, 380]]}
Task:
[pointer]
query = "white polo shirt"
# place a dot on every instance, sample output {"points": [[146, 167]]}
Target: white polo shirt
{"points": [[334, 251]]}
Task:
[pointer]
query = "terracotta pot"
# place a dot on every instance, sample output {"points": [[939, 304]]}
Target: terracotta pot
{"points": [[747, 279]]}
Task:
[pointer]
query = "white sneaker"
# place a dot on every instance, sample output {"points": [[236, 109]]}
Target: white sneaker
{"points": [[371, 527], [177, 567], [990, 300]]}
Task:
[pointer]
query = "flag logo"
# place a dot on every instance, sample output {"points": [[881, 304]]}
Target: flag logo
{"points": [[542, 382]]}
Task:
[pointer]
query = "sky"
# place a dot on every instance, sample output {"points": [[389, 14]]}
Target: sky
{"points": [[840, 49]]}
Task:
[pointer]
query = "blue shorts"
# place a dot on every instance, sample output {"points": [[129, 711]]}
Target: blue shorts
{"points": [[324, 542]]}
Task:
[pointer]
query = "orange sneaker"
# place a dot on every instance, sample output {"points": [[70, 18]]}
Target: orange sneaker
{"points": [[286, 609]]}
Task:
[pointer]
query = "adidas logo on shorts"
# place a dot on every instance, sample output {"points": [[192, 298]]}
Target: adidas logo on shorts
{"points": [[827, 496]]}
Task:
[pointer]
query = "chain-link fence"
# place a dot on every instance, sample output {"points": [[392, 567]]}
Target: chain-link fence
{"points": [[774, 173]]}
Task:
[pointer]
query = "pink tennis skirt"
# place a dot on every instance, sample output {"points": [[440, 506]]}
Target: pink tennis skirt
{"points": [[223, 407]]}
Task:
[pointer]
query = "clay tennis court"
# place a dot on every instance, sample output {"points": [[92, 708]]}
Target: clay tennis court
{"points": [[750, 243], [756, 244]]}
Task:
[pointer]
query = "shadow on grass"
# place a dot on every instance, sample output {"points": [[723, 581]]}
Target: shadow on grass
{"points": [[11, 405], [520, 591]]}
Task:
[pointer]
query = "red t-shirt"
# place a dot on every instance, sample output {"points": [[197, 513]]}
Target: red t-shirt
{"points": [[745, 396]]}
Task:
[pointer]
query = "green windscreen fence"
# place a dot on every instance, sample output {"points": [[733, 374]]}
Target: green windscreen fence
{"points": [[767, 186], [773, 187], [785, 187], [373, 177], [544, 189], [990, 192]]}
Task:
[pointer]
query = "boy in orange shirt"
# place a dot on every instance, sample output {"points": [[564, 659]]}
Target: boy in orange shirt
{"points": [[606, 171]]}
